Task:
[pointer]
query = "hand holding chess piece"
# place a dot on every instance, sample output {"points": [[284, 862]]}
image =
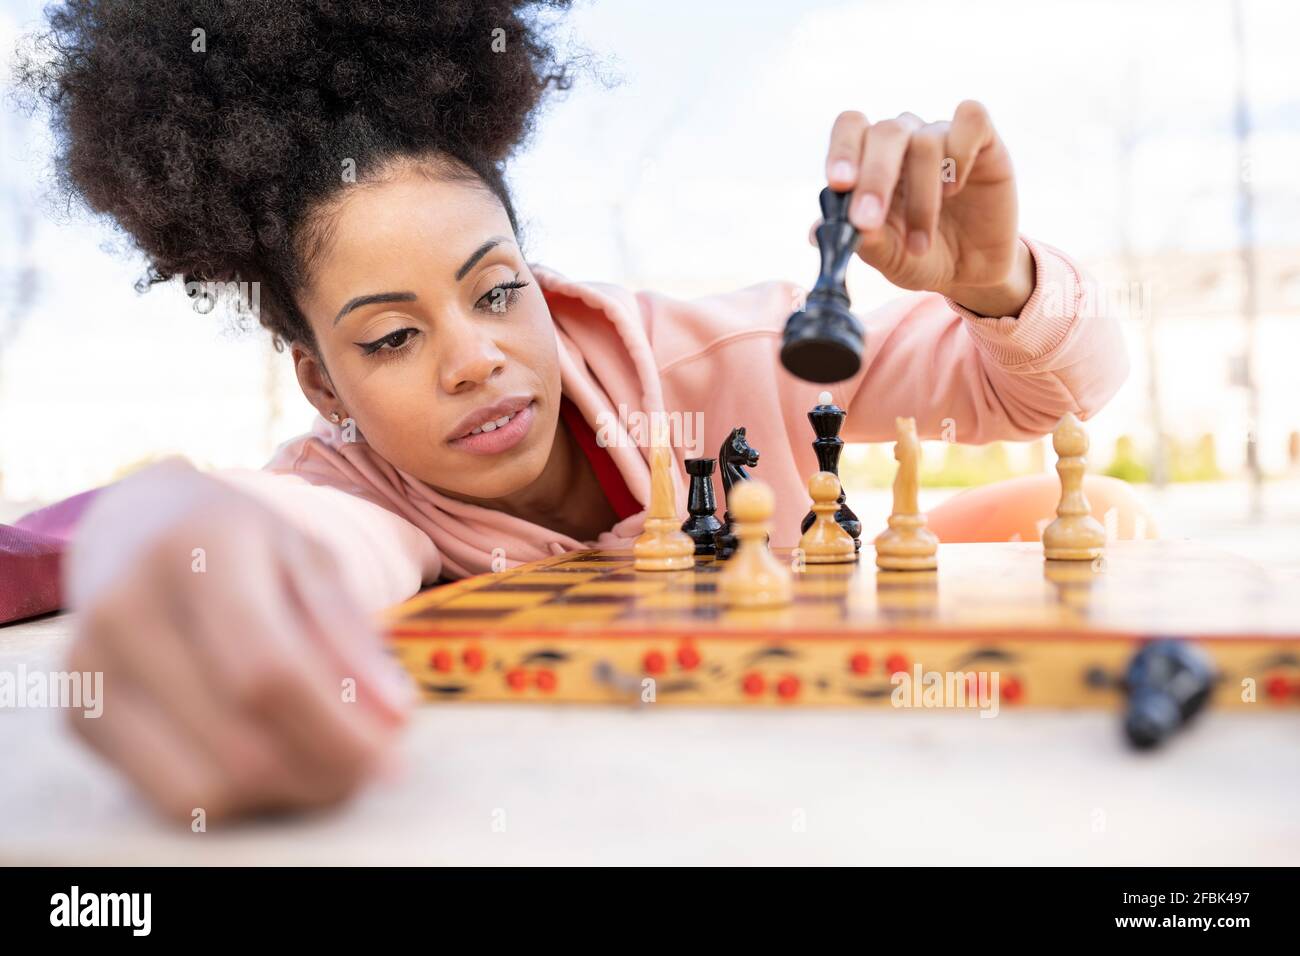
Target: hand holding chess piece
{"points": [[754, 578], [825, 542], [662, 546], [1075, 535], [907, 545], [823, 341]]}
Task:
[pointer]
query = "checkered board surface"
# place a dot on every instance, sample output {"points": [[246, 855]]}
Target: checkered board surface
{"points": [[587, 626]]}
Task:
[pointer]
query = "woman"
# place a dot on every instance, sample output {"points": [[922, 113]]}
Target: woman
{"points": [[346, 160]]}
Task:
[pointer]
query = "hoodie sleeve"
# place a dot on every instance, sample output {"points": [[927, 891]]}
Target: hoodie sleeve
{"points": [[974, 379], [385, 558]]}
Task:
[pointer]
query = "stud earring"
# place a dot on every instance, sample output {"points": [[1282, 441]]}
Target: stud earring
{"points": [[334, 417]]}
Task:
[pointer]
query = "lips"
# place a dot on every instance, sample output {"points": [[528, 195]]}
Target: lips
{"points": [[493, 425], [490, 417], [483, 433]]}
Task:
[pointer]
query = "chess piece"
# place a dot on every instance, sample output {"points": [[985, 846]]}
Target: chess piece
{"points": [[702, 525], [823, 341], [662, 546], [1168, 682], [733, 458], [827, 418], [1075, 535], [754, 578], [907, 545], [824, 541]]}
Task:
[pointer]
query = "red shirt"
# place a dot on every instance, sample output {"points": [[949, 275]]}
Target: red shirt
{"points": [[607, 473]]}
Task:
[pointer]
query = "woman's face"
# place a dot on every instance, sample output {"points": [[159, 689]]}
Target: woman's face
{"points": [[434, 335]]}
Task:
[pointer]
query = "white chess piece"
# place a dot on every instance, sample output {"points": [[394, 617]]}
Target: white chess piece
{"points": [[753, 577]]}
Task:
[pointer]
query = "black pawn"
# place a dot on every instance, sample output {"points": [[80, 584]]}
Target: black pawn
{"points": [[823, 342], [1168, 682], [700, 503], [827, 419]]}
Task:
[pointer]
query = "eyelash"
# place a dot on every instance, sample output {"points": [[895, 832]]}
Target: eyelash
{"points": [[395, 342], [512, 292]]}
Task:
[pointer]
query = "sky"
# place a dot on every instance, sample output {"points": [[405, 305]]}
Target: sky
{"points": [[690, 163]]}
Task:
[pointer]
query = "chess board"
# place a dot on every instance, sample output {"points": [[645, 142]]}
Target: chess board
{"points": [[587, 627]]}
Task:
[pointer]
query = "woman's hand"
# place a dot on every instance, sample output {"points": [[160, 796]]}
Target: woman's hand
{"points": [[237, 676], [935, 204]]}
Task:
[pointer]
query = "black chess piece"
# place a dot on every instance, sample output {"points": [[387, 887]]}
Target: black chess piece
{"points": [[827, 418], [823, 342], [734, 457], [702, 524], [1168, 682]]}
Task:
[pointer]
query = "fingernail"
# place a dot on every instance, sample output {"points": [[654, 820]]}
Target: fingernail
{"points": [[842, 170], [867, 211], [917, 242]]}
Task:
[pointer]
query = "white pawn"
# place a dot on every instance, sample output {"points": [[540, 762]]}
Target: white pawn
{"points": [[753, 577], [1075, 535], [825, 542]]}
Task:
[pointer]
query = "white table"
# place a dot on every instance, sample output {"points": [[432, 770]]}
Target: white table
{"points": [[661, 786]]}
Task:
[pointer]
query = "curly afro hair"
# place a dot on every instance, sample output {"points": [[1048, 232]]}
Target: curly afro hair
{"points": [[210, 130]]}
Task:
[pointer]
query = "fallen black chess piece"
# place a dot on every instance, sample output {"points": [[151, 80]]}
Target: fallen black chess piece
{"points": [[1168, 682]]}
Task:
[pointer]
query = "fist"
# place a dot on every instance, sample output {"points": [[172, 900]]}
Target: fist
{"points": [[935, 205], [238, 677]]}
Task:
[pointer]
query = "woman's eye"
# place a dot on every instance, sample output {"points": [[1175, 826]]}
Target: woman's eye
{"points": [[389, 343], [501, 297]]}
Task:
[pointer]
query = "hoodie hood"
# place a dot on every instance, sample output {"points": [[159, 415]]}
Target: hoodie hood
{"points": [[607, 370]]}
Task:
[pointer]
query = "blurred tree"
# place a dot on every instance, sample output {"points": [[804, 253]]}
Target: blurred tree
{"points": [[867, 466], [1125, 463], [1249, 293], [1195, 461], [965, 466], [1141, 310]]}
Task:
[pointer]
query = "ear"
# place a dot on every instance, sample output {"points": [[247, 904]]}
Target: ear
{"points": [[314, 380]]}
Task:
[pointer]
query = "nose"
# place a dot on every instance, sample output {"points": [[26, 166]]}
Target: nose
{"points": [[471, 357]]}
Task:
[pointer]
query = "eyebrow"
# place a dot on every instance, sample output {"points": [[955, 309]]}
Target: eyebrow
{"points": [[377, 297], [361, 300], [478, 254]]}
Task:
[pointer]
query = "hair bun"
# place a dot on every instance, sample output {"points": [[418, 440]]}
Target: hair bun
{"points": [[207, 131]]}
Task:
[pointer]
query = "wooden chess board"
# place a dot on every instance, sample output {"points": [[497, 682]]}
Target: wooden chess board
{"points": [[586, 627]]}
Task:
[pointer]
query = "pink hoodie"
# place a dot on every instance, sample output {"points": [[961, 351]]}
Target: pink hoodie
{"points": [[710, 364]]}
